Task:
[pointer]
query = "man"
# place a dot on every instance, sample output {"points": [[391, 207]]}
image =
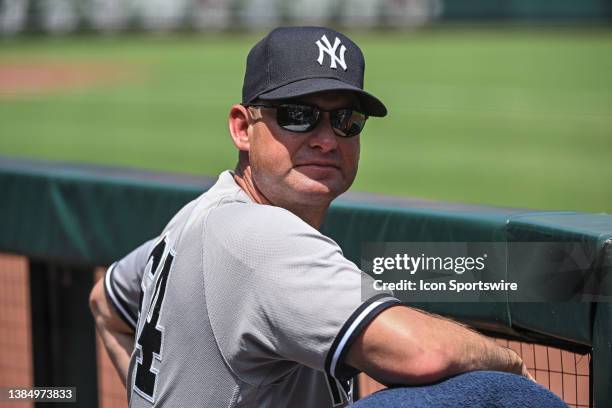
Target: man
{"points": [[241, 301]]}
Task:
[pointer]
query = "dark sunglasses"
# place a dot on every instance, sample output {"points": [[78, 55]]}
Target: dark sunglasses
{"points": [[300, 118]]}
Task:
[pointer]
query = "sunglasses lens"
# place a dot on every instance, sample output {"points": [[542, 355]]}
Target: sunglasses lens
{"points": [[304, 118], [297, 118], [347, 122]]}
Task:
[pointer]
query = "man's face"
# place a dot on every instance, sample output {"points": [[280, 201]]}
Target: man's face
{"points": [[305, 169]]}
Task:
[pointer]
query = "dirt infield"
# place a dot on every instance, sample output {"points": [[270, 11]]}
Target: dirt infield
{"points": [[19, 79]]}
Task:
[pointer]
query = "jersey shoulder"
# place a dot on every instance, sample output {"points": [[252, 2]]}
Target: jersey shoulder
{"points": [[252, 222], [257, 235]]}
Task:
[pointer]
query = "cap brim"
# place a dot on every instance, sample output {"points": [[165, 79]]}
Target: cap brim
{"points": [[370, 105]]}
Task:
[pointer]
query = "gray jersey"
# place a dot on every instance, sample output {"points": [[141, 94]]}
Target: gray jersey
{"points": [[238, 304]]}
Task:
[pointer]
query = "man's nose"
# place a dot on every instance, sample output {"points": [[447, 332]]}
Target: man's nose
{"points": [[323, 136]]}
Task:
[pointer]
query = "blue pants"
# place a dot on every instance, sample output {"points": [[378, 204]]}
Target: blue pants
{"points": [[480, 389]]}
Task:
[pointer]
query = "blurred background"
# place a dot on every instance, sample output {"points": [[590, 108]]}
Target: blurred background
{"points": [[495, 102], [501, 102]]}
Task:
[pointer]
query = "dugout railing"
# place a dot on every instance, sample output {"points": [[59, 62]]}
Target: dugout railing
{"points": [[67, 219]]}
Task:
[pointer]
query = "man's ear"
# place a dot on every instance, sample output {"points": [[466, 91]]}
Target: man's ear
{"points": [[239, 120]]}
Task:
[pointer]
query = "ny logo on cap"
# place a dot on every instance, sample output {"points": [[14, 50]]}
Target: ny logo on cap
{"points": [[331, 51]]}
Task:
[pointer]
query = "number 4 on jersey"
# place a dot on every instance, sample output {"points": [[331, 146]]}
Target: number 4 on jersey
{"points": [[150, 338]]}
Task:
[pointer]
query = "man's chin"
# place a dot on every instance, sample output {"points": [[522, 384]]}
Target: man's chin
{"points": [[326, 185], [325, 188]]}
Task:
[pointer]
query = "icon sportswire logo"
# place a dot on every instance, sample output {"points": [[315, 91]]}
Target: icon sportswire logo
{"points": [[327, 48]]}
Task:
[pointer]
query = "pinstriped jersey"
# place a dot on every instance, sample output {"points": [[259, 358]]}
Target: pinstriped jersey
{"points": [[238, 304]]}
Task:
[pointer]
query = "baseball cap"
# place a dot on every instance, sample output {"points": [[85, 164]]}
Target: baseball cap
{"points": [[295, 61]]}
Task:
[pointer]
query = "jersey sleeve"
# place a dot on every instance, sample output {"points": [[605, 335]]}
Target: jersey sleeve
{"points": [[122, 283], [277, 290]]}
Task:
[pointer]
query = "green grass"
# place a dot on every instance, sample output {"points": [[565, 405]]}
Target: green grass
{"points": [[511, 117]]}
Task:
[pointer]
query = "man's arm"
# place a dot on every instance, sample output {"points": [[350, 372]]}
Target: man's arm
{"points": [[406, 346], [114, 305], [118, 337]]}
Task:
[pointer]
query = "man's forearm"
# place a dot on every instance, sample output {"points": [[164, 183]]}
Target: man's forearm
{"points": [[117, 337], [408, 346], [468, 350], [119, 348]]}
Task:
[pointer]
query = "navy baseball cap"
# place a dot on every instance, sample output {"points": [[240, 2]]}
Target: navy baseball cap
{"points": [[291, 62]]}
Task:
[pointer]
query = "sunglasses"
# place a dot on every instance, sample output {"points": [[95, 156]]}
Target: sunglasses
{"points": [[299, 118]]}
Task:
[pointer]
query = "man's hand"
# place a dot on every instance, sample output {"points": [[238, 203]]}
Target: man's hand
{"points": [[518, 361], [407, 346], [117, 337]]}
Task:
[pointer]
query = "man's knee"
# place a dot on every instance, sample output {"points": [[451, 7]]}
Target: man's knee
{"points": [[474, 389]]}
